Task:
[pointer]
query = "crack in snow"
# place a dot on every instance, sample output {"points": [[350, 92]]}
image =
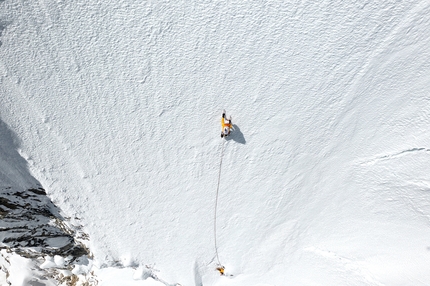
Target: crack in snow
{"points": [[394, 155]]}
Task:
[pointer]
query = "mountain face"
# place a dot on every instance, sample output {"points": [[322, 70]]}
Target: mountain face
{"points": [[114, 108]]}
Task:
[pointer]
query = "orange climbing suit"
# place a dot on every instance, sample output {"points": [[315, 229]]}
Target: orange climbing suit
{"points": [[221, 270], [224, 124]]}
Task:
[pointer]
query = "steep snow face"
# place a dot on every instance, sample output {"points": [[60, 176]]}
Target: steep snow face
{"points": [[325, 179]]}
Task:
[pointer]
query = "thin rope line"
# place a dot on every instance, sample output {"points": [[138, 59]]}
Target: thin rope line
{"points": [[216, 201]]}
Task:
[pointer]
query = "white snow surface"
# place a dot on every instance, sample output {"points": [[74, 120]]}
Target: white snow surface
{"points": [[325, 181]]}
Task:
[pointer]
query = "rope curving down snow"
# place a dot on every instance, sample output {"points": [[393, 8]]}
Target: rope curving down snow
{"points": [[216, 202]]}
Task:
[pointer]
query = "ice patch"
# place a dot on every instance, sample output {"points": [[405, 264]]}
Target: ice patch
{"points": [[49, 263], [59, 260], [20, 270], [141, 273]]}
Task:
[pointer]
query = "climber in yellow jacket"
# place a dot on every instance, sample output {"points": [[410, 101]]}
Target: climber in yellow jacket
{"points": [[221, 270], [226, 125]]}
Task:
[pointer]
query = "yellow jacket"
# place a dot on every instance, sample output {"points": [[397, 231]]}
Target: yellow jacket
{"points": [[224, 124]]}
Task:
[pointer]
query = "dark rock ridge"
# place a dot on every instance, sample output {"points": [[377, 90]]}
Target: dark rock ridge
{"points": [[31, 225]]}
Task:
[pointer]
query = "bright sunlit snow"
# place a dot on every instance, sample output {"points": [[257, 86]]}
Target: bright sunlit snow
{"points": [[325, 180]]}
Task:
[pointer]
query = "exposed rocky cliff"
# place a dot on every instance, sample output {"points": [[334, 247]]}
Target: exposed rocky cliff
{"points": [[38, 245]]}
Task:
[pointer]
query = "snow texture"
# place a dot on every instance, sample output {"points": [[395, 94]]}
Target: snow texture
{"points": [[325, 180]]}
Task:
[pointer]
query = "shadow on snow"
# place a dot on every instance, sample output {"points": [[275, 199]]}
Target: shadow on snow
{"points": [[236, 135]]}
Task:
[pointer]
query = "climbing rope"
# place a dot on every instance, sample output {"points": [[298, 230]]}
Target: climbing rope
{"points": [[216, 206]]}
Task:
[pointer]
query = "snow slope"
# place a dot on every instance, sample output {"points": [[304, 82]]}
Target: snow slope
{"points": [[325, 181]]}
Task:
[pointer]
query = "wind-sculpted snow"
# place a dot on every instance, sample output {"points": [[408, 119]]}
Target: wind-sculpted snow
{"points": [[117, 104]]}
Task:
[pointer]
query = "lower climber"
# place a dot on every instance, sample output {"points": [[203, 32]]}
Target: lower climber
{"points": [[221, 270]]}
